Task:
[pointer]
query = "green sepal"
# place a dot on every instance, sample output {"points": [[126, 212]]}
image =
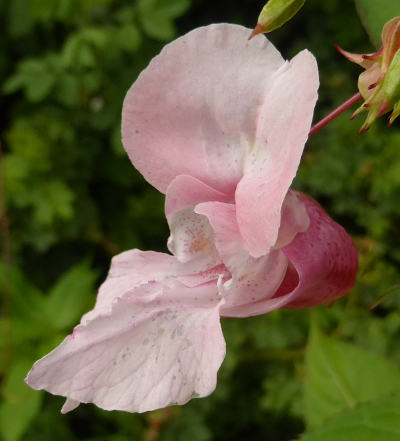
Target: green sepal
{"points": [[391, 82]]}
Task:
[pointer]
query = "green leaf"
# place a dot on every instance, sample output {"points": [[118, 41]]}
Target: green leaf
{"points": [[341, 375], [376, 421], [51, 200], [39, 81], [157, 16], [374, 14], [26, 302], [13, 83], [20, 20], [35, 76], [71, 296], [43, 10], [20, 404], [128, 37], [80, 48], [26, 305], [68, 90]]}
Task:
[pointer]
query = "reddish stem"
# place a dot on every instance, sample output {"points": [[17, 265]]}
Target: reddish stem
{"points": [[338, 111]]}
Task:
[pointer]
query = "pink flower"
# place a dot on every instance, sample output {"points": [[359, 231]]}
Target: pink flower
{"points": [[218, 124]]}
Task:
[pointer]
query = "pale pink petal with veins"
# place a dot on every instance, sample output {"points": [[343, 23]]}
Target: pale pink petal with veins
{"points": [[159, 344]]}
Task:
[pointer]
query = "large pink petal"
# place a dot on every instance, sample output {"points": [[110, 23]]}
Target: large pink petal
{"points": [[160, 344], [282, 129], [194, 110]]}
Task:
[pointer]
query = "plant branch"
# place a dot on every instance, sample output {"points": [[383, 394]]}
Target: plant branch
{"points": [[335, 113]]}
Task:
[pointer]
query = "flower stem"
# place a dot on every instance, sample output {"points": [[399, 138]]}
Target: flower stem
{"points": [[338, 111]]}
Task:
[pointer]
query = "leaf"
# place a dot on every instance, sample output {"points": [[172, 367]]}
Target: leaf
{"points": [[51, 200], [157, 16], [68, 90], [341, 375], [80, 48], [376, 421], [128, 37], [25, 320], [20, 405], [13, 83], [39, 80], [43, 10], [26, 302], [374, 14], [70, 296], [35, 76], [19, 20]]}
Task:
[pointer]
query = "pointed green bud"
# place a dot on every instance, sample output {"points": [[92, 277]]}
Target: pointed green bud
{"points": [[275, 14]]}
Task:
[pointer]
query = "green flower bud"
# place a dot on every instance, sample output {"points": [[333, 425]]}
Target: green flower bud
{"points": [[379, 84], [275, 14]]}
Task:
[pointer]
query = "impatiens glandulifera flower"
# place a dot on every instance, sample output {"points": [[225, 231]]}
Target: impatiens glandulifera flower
{"points": [[218, 124], [379, 84]]}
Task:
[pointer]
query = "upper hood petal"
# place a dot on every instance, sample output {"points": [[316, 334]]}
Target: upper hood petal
{"points": [[194, 110]]}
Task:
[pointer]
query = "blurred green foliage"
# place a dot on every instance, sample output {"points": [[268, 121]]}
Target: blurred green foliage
{"points": [[375, 14], [73, 200]]}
